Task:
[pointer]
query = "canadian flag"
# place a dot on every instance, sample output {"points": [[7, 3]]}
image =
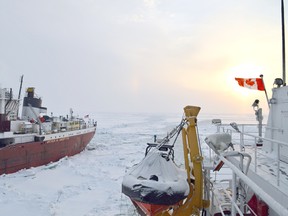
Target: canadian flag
{"points": [[251, 83]]}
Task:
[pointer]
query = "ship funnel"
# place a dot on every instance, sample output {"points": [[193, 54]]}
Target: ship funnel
{"points": [[30, 92]]}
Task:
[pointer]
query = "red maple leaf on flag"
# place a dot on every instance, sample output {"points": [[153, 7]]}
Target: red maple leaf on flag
{"points": [[250, 82]]}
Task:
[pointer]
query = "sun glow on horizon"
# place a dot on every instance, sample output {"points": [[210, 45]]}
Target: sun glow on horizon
{"points": [[247, 70]]}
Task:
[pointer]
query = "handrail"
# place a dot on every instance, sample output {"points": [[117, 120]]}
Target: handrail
{"points": [[265, 196], [281, 210], [250, 209], [277, 142], [256, 136], [267, 139], [229, 204], [277, 159]]}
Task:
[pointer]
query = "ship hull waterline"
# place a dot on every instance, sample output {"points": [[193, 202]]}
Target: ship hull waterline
{"points": [[32, 154]]}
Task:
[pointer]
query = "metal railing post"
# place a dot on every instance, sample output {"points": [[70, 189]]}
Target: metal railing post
{"points": [[233, 212], [255, 155], [242, 142], [278, 164]]}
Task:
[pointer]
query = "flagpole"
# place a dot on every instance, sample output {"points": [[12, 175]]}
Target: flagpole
{"points": [[261, 75]]}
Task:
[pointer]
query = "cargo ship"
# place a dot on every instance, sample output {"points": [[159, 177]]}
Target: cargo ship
{"points": [[35, 138]]}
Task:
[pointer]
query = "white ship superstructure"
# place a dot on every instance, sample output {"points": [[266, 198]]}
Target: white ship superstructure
{"points": [[258, 174]]}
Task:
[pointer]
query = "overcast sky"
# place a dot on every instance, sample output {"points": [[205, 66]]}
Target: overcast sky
{"points": [[140, 55]]}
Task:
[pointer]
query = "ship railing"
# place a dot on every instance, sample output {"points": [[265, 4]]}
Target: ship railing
{"points": [[248, 140], [251, 129], [239, 212], [230, 203], [236, 205], [267, 198]]}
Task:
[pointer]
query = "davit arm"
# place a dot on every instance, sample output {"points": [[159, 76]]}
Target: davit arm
{"points": [[194, 202]]}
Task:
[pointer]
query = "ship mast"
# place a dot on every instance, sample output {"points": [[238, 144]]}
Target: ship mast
{"points": [[21, 81], [19, 94], [283, 43]]}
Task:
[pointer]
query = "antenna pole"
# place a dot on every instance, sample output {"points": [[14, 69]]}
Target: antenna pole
{"points": [[283, 42]]}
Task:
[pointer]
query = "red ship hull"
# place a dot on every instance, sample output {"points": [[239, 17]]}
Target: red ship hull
{"points": [[32, 154]]}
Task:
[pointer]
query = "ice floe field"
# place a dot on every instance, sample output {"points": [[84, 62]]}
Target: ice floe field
{"points": [[89, 184]]}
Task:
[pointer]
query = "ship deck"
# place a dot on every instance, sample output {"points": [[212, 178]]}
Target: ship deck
{"points": [[266, 170]]}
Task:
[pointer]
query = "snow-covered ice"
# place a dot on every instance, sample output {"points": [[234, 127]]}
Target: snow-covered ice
{"points": [[89, 184]]}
